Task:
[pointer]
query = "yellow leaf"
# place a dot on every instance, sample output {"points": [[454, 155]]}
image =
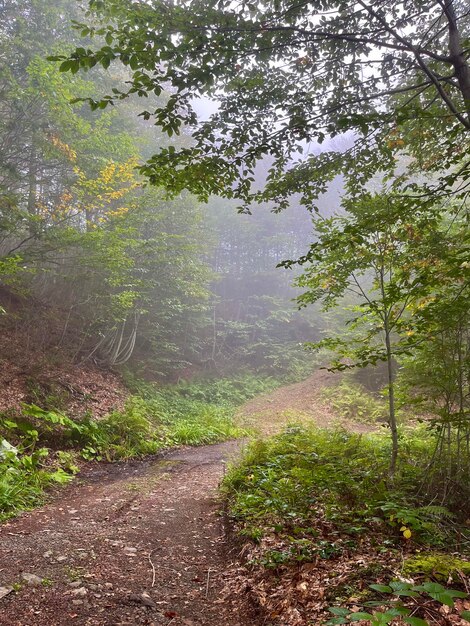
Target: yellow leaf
{"points": [[407, 533]]}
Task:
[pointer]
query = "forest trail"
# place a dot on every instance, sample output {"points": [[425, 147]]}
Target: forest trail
{"points": [[122, 530], [141, 542], [300, 402]]}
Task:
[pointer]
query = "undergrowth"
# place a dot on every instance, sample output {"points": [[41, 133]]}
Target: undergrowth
{"points": [[286, 484], [352, 401], [308, 496], [221, 391]]}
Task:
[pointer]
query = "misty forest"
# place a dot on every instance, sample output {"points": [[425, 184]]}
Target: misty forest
{"points": [[234, 311]]}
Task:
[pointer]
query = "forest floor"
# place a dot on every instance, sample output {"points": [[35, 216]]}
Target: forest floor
{"points": [[141, 542]]}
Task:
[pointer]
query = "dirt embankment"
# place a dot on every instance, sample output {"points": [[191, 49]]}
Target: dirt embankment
{"points": [[40, 365]]}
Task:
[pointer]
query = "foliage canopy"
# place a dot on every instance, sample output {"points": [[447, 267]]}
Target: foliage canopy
{"points": [[286, 76]]}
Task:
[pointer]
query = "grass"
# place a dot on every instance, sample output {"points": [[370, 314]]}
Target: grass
{"points": [[20, 490], [24, 479]]}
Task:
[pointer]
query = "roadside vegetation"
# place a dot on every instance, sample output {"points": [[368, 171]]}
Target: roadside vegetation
{"points": [[324, 523], [350, 400]]}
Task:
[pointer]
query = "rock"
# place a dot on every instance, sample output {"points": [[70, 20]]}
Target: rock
{"points": [[147, 600], [81, 592], [47, 555], [144, 598], [61, 559], [130, 550], [31, 579], [4, 591], [77, 602], [75, 584]]}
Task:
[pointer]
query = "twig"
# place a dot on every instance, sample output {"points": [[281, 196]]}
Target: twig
{"points": [[207, 582], [153, 568]]}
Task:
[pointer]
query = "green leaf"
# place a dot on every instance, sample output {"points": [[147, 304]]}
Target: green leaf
{"points": [[338, 610], [61, 477], [403, 589], [430, 587], [381, 588], [65, 66], [440, 593], [356, 617], [415, 621]]}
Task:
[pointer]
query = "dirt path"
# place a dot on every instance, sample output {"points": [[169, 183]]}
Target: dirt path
{"points": [[141, 543], [127, 544], [297, 403]]}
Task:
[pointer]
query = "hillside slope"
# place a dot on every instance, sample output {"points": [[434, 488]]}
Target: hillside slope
{"points": [[38, 367]]}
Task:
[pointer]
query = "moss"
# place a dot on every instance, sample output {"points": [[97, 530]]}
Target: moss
{"points": [[436, 565]]}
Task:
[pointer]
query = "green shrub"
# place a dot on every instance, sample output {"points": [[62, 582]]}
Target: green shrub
{"points": [[23, 479], [352, 401], [284, 484], [129, 433], [405, 600]]}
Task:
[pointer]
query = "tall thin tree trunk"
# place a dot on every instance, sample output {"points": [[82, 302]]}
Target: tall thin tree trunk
{"points": [[392, 418], [32, 186], [458, 55]]}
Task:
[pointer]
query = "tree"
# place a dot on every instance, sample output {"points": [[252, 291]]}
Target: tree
{"points": [[117, 266], [435, 376], [383, 252], [287, 75], [254, 323], [28, 161]]}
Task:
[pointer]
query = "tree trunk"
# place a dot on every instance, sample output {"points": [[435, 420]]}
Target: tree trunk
{"points": [[458, 55], [392, 419], [32, 187]]}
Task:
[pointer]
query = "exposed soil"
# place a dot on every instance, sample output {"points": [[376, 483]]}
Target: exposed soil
{"points": [[299, 402], [127, 544], [39, 364]]}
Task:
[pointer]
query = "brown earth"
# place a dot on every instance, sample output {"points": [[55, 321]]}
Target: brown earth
{"points": [[41, 362], [138, 543], [300, 402]]}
